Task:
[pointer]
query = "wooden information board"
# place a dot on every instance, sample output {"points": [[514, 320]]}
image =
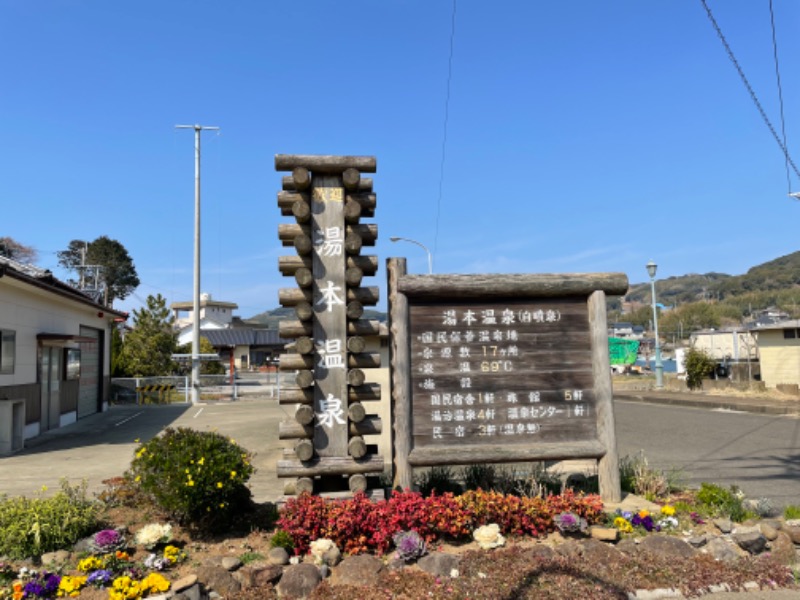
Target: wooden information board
{"points": [[501, 368]]}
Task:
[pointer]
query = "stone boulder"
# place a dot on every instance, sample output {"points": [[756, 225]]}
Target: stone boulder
{"points": [[362, 569], [299, 581]]}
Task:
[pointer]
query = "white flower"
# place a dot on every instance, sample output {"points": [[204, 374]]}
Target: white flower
{"points": [[294, 560], [481, 575], [454, 573], [489, 536], [152, 534], [319, 547]]}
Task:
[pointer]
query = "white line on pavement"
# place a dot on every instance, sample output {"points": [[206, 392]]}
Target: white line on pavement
{"points": [[197, 414], [128, 419]]}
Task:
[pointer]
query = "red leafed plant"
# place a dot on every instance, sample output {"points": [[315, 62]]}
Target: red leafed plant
{"points": [[360, 525]]}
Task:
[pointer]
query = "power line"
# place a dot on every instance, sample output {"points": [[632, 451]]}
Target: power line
{"points": [[749, 88], [780, 92], [444, 133]]}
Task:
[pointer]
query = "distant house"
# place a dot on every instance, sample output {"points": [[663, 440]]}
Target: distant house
{"points": [[626, 330], [248, 344], [55, 347], [736, 344], [779, 349]]}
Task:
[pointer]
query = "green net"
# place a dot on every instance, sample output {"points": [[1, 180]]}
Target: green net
{"points": [[621, 351]]}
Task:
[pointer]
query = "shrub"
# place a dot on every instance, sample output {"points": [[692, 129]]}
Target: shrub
{"points": [[698, 366], [723, 502], [792, 511], [439, 480], [197, 477], [281, 539], [32, 526], [638, 477]]}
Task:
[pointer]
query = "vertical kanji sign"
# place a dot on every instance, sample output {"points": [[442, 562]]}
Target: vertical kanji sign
{"points": [[327, 197]]}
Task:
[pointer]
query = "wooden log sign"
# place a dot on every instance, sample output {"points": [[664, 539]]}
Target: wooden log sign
{"points": [[503, 372]]}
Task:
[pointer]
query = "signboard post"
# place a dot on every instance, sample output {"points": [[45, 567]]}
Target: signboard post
{"points": [[501, 368], [327, 197]]}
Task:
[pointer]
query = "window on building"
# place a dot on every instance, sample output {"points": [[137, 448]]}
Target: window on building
{"points": [[8, 350], [789, 334]]}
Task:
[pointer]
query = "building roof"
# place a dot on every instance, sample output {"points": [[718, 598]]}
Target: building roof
{"points": [[204, 303], [243, 337], [44, 280], [789, 324]]}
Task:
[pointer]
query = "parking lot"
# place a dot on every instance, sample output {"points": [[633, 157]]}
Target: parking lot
{"points": [[101, 446]]}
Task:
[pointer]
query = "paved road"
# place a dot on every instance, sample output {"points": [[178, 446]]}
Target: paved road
{"points": [[757, 452], [102, 446]]}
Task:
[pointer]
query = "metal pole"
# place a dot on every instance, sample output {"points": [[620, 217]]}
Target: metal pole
{"points": [[196, 290], [659, 366]]}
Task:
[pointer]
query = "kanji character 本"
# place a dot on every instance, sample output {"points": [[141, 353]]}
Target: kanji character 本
{"points": [[331, 411], [329, 297]]}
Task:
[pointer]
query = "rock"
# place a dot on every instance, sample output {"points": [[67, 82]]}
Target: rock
{"points": [[792, 530], [782, 549], [604, 534], [358, 570], [597, 552], [720, 549], [184, 582], [299, 581], [83, 546], [750, 539], [190, 593], [570, 549], [230, 563], [697, 541], [657, 594], [59, 557], [440, 564], [258, 574], [665, 545], [628, 546], [278, 556], [218, 579], [541, 551], [724, 525], [768, 531]]}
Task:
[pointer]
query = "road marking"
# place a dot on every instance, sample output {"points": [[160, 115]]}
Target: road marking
{"points": [[128, 419], [197, 414]]}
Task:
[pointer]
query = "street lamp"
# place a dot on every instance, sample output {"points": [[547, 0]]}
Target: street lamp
{"points": [[651, 270], [423, 246]]}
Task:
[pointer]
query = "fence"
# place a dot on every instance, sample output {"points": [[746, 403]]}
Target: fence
{"points": [[177, 389]]}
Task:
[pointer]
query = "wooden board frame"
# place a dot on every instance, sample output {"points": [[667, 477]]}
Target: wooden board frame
{"points": [[414, 293]]}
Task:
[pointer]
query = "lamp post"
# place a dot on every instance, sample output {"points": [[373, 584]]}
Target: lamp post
{"points": [[196, 287], [651, 270], [423, 246]]}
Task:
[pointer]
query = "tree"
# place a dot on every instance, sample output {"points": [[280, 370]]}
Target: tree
{"points": [[117, 271], [207, 367], [698, 366], [11, 248], [147, 350]]}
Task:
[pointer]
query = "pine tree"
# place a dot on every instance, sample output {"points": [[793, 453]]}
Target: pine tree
{"points": [[148, 348]]}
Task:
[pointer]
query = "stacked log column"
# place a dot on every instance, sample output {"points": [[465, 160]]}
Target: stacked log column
{"points": [[327, 198]]}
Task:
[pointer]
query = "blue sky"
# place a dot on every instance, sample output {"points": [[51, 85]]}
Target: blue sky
{"points": [[582, 136]]}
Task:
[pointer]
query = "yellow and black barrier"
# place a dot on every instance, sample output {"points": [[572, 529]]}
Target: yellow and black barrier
{"points": [[149, 390]]}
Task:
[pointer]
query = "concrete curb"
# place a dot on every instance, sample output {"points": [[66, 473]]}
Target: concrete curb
{"points": [[757, 405]]}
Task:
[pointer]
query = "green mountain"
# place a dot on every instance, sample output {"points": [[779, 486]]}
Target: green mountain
{"points": [[271, 318], [777, 275]]}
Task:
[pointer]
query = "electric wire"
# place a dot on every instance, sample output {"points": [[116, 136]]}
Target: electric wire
{"points": [[444, 132], [780, 93], [747, 85]]}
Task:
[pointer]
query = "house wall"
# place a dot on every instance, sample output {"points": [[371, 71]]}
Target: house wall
{"points": [[780, 358], [29, 311], [734, 345]]}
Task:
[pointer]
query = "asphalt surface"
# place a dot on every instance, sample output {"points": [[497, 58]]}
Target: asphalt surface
{"points": [[101, 446]]}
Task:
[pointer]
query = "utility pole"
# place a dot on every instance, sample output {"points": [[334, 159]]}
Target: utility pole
{"points": [[196, 295]]}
